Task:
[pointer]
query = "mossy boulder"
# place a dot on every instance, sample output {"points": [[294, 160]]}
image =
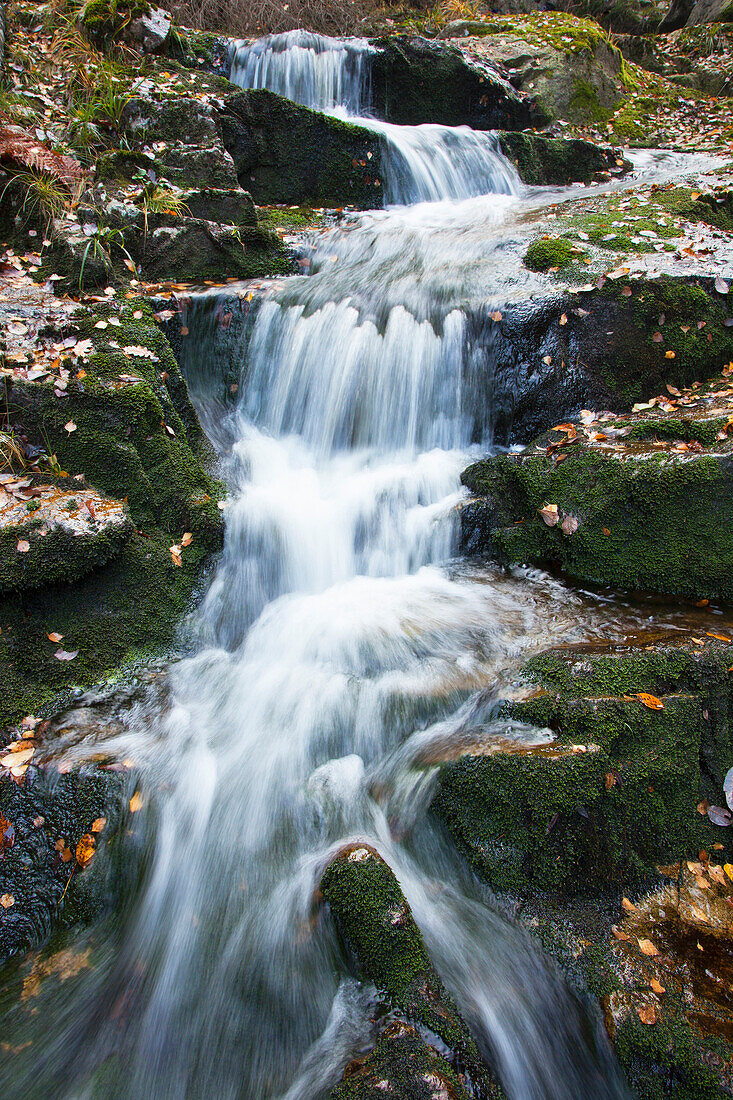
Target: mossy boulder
{"points": [[643, 502], [415, 80], [67, 535], [596, 349], [137, 439], [103, 21], [542, 160], [617, 793], [285, 153], [376, 922]]}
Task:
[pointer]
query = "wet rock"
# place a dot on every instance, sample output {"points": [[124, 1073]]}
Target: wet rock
{"points": [[710, 11], [596, 349], [51, 533], [542, 160], [377, 924], [231, 206], [76, 255], [642, 502], [43, 817], [619, 789], [402, 1066], [284, 153], [199, 250], [415, 80]]}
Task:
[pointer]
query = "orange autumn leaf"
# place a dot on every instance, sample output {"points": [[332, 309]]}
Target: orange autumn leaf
{"points": [[136, 802], [647, 1014], [85, 849], [647, 948], [99, 824], [650, 701]]}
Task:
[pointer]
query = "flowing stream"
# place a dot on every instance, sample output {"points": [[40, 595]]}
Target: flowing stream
{"points": [[337, 641]]}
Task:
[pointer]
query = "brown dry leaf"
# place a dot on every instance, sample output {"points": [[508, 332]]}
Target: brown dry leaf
{"points": [[650, 701], [657, 337], [702, 807], [647, 1014], [136, 802], [698, 914], [564, 319], [175, 552], [569, 525], [628, 905], [610, 780], [66, 854], [549, 514], [14, 759], [99, 824], [620, 935], [6, 900], [187, 539], [657, 986], [495, 316], [716, 874], [85, 849], [647, 947]]}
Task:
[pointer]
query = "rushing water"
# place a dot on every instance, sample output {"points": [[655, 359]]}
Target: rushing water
{"points": [[335, 644]]}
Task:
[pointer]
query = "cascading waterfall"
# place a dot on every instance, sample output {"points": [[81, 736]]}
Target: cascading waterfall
{"points": [[334, 644], [319, 72], [419, 163]]}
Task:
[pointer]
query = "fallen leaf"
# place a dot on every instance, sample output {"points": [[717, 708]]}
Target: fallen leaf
{"points": [[7, 900], [549, 514], [64, 655], [628, 905], [569, 525], [721, 286], [721, 816], [70, 427], [23, 546], [650, 701], [85, 849], [657, 986], [703, 807], [187, 539], [54, 637], [647, 1014], [647, 947], [99, 824], [669, 355], [175, 552], [136, 802], [14, 759]]}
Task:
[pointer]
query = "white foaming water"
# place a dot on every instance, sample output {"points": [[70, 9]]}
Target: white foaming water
{"points": [[311, 69], [419, 163]]}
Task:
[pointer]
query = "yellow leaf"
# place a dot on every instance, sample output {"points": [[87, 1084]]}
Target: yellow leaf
{"points": [[136, 802], [720, 637], [85, 849], [650, 701], [728, 868], [657, 986]]}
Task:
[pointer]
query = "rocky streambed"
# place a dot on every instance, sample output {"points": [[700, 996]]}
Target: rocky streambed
{"points": [[364, 616]]}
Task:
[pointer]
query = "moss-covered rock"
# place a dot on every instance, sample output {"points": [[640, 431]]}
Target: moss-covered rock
{"points": [[376, 922], [552, 253], [414, 80], [285, 153], [103, 21], [542, 160], [618, 791], [597, 349], [402, 1066], [137, 439]]}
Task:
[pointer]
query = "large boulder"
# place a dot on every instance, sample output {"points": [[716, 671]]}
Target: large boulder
{"points": [[710, 11], [542, 160], [415, 80], [285, 153]]}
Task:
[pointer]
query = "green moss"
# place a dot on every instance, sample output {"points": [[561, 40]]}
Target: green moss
{"points": [[56, 556], [123, 446], [551, 252], [104, 20], [401, 1065], [577, 822], [375, 920], [585, 104], [670, 1060], [541, 160]]}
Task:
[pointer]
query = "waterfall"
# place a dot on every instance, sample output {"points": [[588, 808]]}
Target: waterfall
{"points": [[311, 69], [419, 163]]}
